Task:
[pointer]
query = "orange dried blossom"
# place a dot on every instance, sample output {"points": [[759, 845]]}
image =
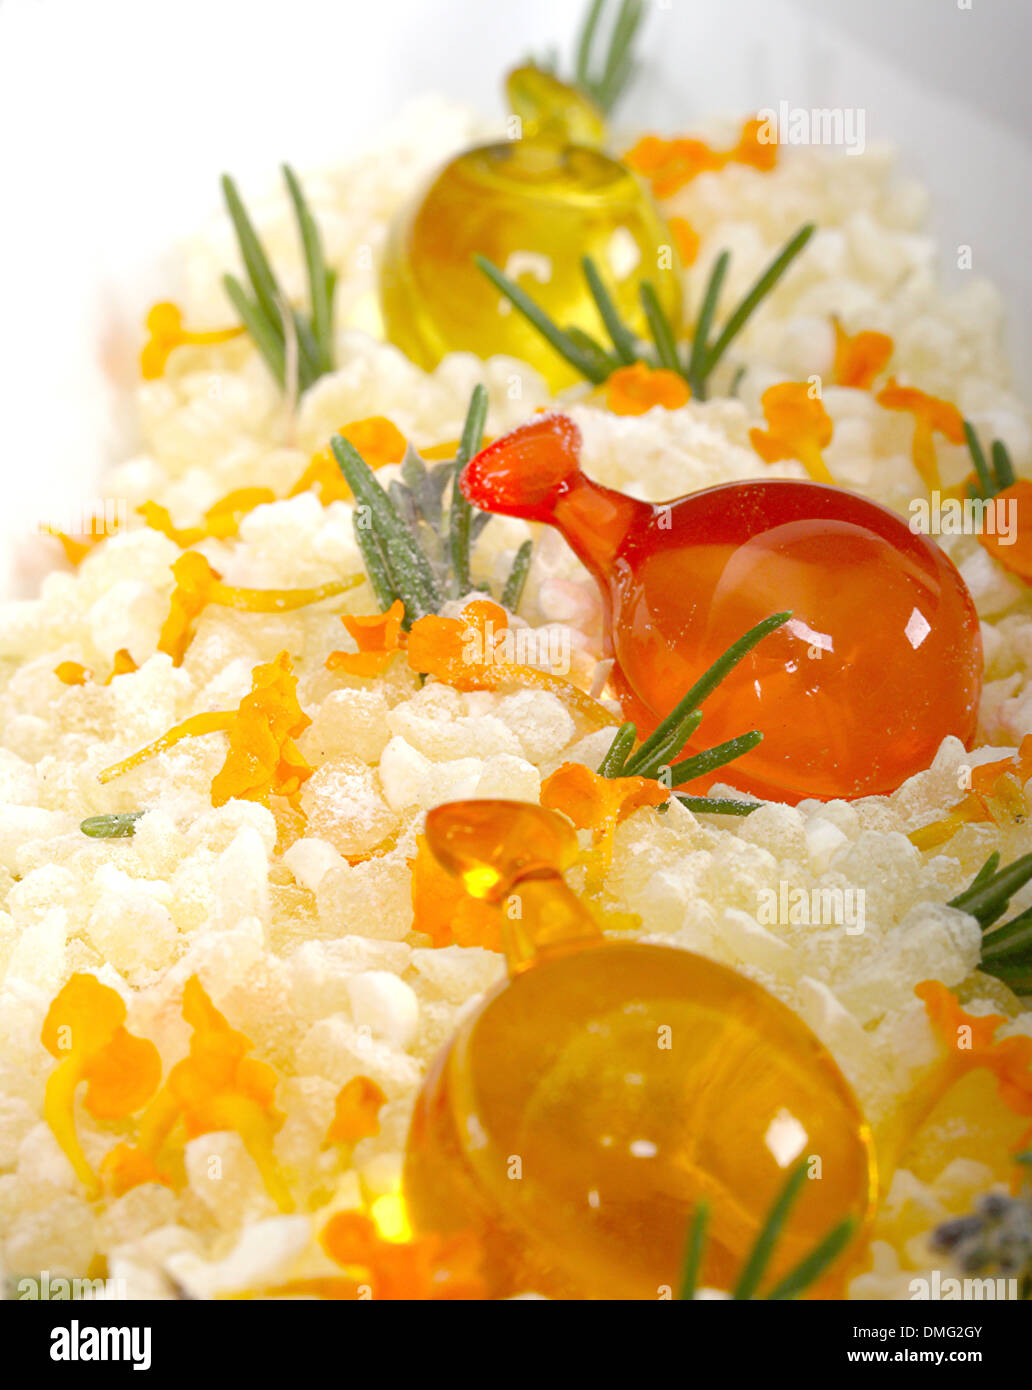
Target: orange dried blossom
{"points": [[221, 520], [263, 757], [85, 1030], [164, 324], [78, 546], [859, 357], [670, 164], [356, 1113], [635, 389], [798, 427], [932, 416], [442, 908], [970, 1042], [197, 585], [378, 441], [427, 1267], [377, 637], [216, 1087], [1016, 556], [996, 796], [686, 239], [464, 652], [599, 803], [73, 673]]}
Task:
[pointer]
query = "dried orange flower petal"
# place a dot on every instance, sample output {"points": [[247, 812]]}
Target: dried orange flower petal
{"points": [[198, 584], [377, 637], [686, 239], [798, 428], [164, 325], [463, 653], [356, 1113], [971, 1043], [670, 164], [444, 910], [377, 439], [932, 415], [1015, 555], [635, 389], [859, 358], [996, 796], [85, 1030]]}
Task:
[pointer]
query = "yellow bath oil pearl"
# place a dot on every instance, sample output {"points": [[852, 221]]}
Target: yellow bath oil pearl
{"points": [[535, 207]]}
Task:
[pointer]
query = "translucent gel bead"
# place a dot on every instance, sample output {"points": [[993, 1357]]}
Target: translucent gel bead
{"points": [[587, 1105], [535, 208], [880, 661]]}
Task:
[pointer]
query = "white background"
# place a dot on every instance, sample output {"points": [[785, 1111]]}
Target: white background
{"points": [[117, 117]]}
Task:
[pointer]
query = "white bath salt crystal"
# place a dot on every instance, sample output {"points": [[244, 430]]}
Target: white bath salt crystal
{"points": [[961, 1182], [339, 1049], [509, 778], [58, 1237], [309, 858], [456, 780], [129, 615], [932, 941], [131, 926], [157, 843], [402, 772], [344, 806], [223, 1175], [348, 721], [754, 945], [992, 589], [823, 838], [18, 783], [38, 957], [20, 825], [318, 980], [132, 1215], [540, 720], [226, 959], [372, 898], [17, 1118], [215, 828], [241, 878], [262, 1256], [386, 1005]]}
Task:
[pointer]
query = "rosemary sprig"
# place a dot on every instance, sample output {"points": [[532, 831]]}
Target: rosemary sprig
{"points": [[116, 825], [652, 757], [413, 547], [564, 345], [990, 480], [1007, 947], [264, 312], [798, 1279], [461, 510], [513, 589], [595, 364], [604, 77]]}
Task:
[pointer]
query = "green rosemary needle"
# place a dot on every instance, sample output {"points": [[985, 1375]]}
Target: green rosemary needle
{"points": [[652, 758], [461, 511], [801, 1277], [1007, 947], [412, 547], [596, 365], [604, 80], [990, 479], [264, 311]]}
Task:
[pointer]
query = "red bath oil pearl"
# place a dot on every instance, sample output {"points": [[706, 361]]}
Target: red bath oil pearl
{"points": [[881, 659]]}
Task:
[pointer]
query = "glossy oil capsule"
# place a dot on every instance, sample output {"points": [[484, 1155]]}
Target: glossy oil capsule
{"points": [[589, 1103], [534, 207], [881, 660]]}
